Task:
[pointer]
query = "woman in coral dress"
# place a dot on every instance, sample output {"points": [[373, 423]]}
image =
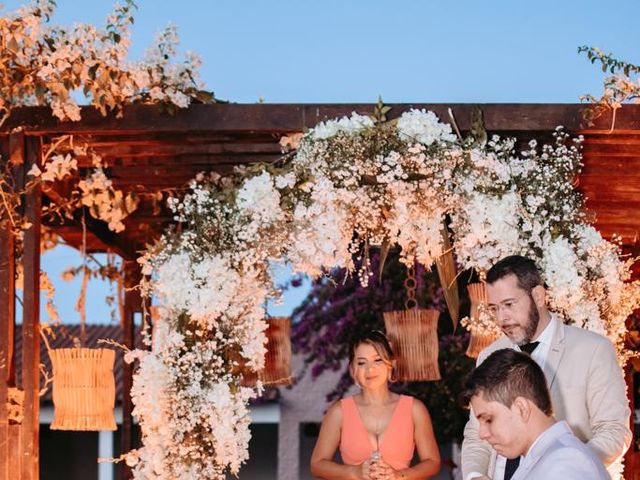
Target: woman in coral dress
{"points": [[376, 430]]}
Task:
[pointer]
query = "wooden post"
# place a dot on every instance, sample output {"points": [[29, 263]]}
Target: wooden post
{"points": [[132, 305], [10, 457], [29, 439], [7, 322], [631, 458]]}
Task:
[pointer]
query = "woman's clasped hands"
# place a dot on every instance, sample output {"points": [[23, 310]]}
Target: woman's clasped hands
{"points": [[373, 469]]}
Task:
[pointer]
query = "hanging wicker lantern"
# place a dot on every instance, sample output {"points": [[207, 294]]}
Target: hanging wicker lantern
{"points": [[84, 389], [413, 334], [277, 361], [483, 330]]}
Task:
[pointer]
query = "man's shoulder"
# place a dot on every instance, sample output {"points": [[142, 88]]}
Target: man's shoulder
{"points": [[583, 336], [575, 453], [564, 453], [499, 344]]}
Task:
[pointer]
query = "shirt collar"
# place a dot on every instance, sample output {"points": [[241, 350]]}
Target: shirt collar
{"points": [[547, 334], [553, 431]]}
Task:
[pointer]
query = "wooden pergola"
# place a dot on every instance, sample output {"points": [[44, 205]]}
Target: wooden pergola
{"points": [[148, 150]]}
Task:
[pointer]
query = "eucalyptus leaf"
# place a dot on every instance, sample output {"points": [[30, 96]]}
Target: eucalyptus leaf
{"points": [[384, 252]]}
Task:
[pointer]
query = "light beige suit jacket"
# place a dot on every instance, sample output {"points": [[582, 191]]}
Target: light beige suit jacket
{"points": [[587, 390]]}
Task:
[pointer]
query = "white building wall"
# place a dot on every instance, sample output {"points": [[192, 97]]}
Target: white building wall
{"points": [[303, 403]]}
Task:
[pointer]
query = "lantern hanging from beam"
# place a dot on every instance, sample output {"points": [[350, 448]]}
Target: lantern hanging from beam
{"points": [[277, 361], [482, 328], [413, 334], [83, 389]]}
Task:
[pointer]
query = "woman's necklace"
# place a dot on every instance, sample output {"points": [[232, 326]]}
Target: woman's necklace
{"points": [[375, 456]]}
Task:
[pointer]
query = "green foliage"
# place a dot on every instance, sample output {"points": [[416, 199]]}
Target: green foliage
{"points": [[608, 61], [621, 86]]}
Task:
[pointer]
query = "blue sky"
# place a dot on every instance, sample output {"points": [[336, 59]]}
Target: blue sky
{"points": [[330, 51], [407, 51]]}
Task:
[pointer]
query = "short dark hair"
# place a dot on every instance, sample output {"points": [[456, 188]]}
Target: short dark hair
{"points": [[377, 340], [525, 270], [506, 375]]}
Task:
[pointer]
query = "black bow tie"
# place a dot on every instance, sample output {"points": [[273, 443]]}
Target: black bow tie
{"points": [[529, 347]]}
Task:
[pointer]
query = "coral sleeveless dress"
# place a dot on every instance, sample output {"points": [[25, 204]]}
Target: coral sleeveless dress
{"points": [[396, 442]]}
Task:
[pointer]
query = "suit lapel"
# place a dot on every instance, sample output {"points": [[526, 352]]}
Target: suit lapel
{"points": [[554, 355], [523, 470]]}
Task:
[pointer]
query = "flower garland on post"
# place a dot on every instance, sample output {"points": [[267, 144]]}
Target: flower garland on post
{"points": [[43, 64], [350, 184]]}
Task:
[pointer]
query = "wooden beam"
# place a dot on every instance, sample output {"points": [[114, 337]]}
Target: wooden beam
{"points": [[115, 242], [29, 442], [16, 148], [132, 305], [7, 324], [71, 234], [178, 149], [282, 118]]}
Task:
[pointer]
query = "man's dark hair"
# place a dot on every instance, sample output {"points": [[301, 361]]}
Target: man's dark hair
{"points": [[506, 375], [523, 268]]}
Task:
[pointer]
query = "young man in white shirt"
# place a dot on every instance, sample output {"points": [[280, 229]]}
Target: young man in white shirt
{"points": [[509, 396]]}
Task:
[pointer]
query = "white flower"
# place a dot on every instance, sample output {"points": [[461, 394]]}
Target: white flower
{"points": [[56, 168], [349, 125], [286, 181], [258, 196], [34, 171], [424, 127], [487, 230], [589, 237], [291, 141], [490, 164], [414, 223], [321, 238]]}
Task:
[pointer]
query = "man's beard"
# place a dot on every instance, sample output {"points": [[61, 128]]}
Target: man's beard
{"points": [[532, 326]]}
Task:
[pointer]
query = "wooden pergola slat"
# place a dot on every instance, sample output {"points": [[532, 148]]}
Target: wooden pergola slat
{"points": [[279, 118], [132, 307], [29, 439], [7, 321]]}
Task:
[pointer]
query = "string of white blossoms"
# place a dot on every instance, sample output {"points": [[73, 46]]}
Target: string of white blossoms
{"points": [[351, 184]]}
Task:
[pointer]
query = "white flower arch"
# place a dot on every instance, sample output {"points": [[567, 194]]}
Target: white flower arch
{"points": [[352, 183]]}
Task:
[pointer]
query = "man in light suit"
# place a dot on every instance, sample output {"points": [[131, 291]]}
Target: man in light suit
{"points": [[510, 398], [586, 383]]}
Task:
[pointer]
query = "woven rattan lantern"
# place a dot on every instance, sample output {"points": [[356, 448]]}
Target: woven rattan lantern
{"points": [[483, 330], [413, 334], [84, 389], [277, 361]]}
